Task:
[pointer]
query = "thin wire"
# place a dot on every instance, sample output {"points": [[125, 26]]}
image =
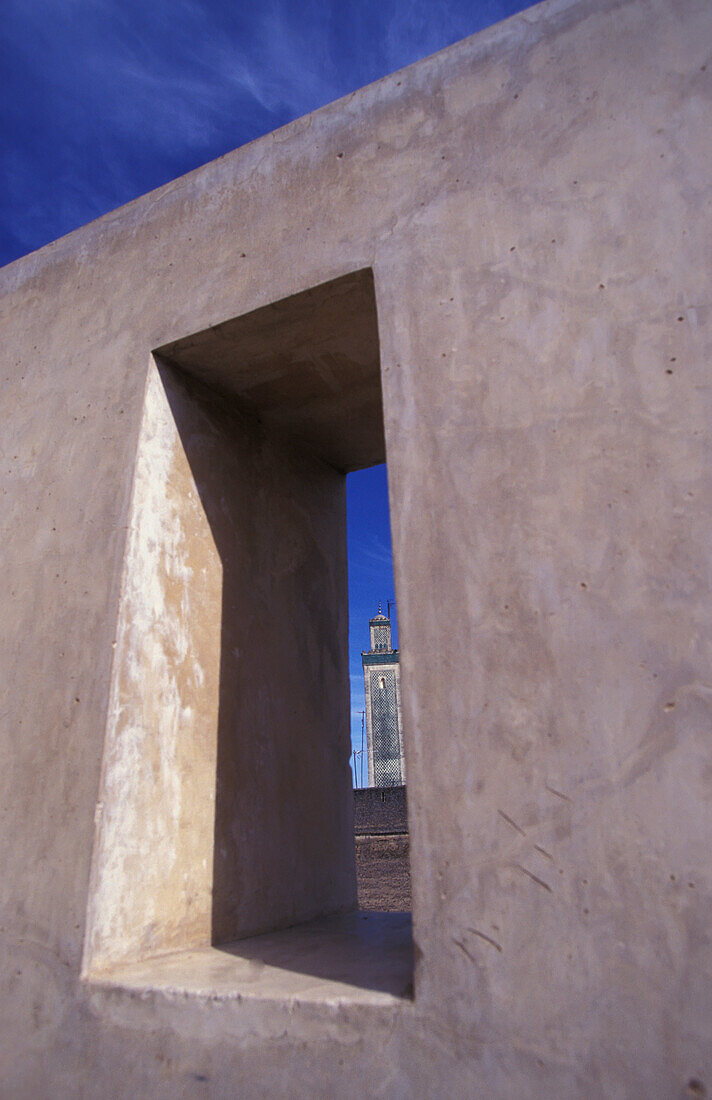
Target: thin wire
{"points": [[363, 719]]}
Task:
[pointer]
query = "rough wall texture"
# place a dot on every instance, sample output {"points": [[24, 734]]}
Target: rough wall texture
{"points": [[534, 203], [382, 849], [383, 873], [380, 810]]}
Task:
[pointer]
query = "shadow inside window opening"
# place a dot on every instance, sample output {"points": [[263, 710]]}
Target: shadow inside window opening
{"points": [[284, 882]]}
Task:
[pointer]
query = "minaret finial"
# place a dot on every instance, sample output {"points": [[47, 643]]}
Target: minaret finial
{"points": [[379, 607]]}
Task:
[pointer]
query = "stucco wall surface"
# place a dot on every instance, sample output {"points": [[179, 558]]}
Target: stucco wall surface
{"points": [[535, 205]]}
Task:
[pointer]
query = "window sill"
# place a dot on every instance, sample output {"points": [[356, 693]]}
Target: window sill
{"points": [[358, 958]]}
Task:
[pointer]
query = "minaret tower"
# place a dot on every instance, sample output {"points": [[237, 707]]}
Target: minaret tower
{"points": [[381, 675]]}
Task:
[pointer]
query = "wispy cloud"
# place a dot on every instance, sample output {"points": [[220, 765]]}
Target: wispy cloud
{"points": [[105, 99], [371, 548]]}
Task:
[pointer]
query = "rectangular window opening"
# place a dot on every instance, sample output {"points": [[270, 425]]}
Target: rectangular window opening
{"points": [[225, 826], [377, 743]]}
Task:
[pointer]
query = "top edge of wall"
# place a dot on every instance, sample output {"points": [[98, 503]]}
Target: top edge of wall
{"points": [[523, 29]]}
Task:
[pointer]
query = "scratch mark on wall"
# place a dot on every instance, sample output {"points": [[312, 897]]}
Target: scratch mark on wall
{"points": [[463, 948], [487, 939], [509, 821], [552, 790], [544, 852], [534, 878]]}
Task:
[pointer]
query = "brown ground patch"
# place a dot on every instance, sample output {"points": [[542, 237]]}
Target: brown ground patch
{"points": [[383, 873]]}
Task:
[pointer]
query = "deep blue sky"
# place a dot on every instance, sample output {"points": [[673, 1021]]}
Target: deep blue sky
{"points": [[103, 100], [370, 577]]}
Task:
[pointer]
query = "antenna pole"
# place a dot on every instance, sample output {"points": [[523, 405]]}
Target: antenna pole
{"points": [[363, 719]]}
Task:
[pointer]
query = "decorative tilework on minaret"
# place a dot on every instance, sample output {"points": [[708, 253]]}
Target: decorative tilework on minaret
{"points": [[381, 675]]}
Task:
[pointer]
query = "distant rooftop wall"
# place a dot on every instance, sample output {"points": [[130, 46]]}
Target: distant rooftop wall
{"points": [[379, 810]]}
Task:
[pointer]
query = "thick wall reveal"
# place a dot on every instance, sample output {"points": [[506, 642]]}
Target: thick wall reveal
{"points": [[226, 803]]}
